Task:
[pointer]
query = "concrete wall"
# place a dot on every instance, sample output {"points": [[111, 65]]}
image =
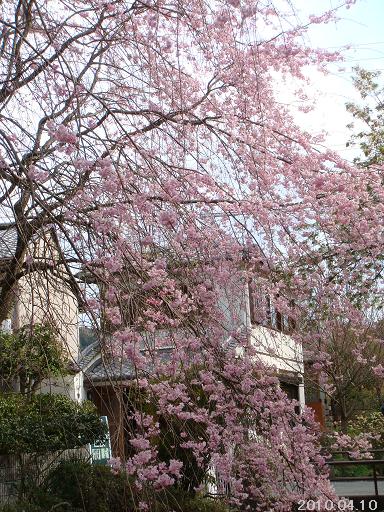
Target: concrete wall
{"points": [[71, 385], [277, 349]]}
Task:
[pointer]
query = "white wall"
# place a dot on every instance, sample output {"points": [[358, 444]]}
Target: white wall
{"points": [[277, 349], [274, 347]]}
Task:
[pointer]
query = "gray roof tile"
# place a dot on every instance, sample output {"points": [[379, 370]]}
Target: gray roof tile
{"points": [[8, 242], [103, 369]]}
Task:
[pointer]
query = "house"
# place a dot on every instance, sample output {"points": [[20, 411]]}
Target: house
{"points": [[43, 293], [47, 292], [108, 376]]}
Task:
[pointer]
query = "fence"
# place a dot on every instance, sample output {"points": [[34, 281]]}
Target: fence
{"points": [[361, 480], [16, 469]]}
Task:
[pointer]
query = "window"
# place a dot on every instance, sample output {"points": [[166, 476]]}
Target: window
{"points": [[263, 311]]}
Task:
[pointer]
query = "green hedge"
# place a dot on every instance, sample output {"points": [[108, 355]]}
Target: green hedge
{"points": [[46, 423]]}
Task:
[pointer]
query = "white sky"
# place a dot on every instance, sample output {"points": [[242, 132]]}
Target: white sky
{"points": [[361, 27]]}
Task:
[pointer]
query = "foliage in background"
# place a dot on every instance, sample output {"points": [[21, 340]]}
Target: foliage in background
{"points": [[46, 423], [369, 116], [371, 422], [344, 367], [87, 336], [29, 356]]}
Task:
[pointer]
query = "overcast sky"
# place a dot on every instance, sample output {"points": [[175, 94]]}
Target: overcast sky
{"points": [[361, 26]]}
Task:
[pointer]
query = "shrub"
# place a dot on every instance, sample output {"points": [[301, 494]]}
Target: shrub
{"points": [[77, 486], [46, 423], [24, 507], [30, 355], [180, 500], [89, 488]]}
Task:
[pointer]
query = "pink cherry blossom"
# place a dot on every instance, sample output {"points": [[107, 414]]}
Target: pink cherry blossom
{"points": [[149, 137]]}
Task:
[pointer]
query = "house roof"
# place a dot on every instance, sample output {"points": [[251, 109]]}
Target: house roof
{"points": [[99, 369], [9, 238], [99, 366], [8, 241]]}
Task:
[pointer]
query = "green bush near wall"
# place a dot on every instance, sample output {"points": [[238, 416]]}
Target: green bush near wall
{"points": [[46, 423], [30, 355]]}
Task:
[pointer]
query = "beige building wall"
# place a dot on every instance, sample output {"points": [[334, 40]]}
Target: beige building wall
{"points": [[44, 296]]}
